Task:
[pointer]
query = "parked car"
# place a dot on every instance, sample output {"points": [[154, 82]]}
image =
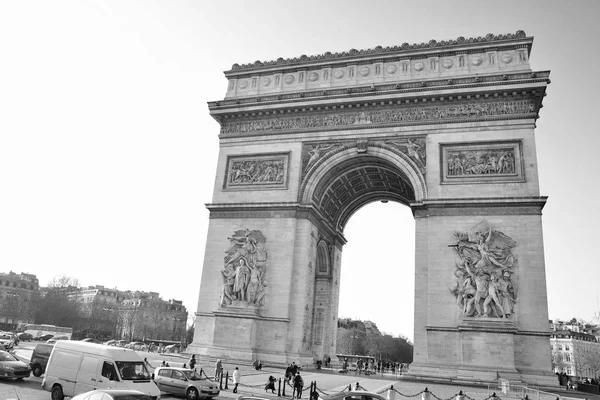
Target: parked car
{"points": [[121, 343], [139, 346], [43, 338], [91, 340], [12, 368], [56, 339], [39, 358], [75, 367], [25, 337], [113, 394], [6, 341], [111, 342], [173, 348], [14, 336], [184, 382]]}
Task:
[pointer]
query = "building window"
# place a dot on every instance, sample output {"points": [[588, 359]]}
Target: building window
{"points": [[566, 347], [569, 372], [567, 357]]}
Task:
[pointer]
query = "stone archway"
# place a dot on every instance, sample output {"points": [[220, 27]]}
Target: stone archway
{"points": [[445, 128]]}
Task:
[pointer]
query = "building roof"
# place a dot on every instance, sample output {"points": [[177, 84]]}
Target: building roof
{"points": [[383, 51]]}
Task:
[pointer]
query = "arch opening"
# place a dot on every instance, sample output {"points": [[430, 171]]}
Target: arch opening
{"points": [[356, 181], [377, 268]]}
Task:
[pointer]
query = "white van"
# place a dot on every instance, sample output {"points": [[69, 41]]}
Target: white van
{"points": [[77, 367]]}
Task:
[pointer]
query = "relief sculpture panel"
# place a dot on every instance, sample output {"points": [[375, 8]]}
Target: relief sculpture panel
{"points": [[311, 153], [482, 162], [484, 284], [257, 171], [404, 115], [415, 148], [244, 274]]}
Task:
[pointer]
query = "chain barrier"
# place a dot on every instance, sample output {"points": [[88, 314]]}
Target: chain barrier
{"points": [[313, 388], [206, 376]]}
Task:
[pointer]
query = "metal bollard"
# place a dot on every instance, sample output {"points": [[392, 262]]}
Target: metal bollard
{"points": [[350, 387], [426, 395], [279, 388], [284, 384], [221, 382], [460, 396], [391, 393]]}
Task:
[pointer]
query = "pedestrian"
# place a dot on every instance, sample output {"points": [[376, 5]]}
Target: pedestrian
{"points": [[298, 385], [236, 379], [218, 370], [192, 361]]}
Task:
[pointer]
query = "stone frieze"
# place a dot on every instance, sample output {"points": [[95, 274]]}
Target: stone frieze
{"points": [[485, 162], [256, 171], [423, 114]]}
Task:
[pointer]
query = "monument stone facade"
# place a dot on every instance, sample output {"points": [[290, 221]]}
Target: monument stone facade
{"points": [[445, 128]]}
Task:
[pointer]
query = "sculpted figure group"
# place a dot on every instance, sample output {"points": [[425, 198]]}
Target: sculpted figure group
{"points": [[484, 286], [481, 162], [399, 115], [245, 269], [252, 172]]}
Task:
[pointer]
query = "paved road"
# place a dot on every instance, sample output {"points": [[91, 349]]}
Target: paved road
{"points": [[328, 381]]}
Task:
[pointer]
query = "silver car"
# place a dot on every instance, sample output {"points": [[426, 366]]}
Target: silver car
{"points": [[112, 394], [184, 382]]}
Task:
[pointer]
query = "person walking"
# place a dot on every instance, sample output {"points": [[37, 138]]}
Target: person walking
{"points": [[218, 369], [236, 379], [298, 385], [192, 362]]}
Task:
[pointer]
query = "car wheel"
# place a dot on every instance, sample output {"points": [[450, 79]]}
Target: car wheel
{"points": [[37, 371], [192, 394], [57, 393]]}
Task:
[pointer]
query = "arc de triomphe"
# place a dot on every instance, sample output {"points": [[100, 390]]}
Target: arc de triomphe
{"points": [[446, 128]]}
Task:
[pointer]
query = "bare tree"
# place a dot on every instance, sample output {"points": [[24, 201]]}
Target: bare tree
{"points": [[591, 359], [189, 334], [558, 362]]}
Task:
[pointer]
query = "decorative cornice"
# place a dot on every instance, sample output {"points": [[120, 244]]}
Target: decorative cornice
{"points": [[526, 205], [489, 329], [379, 50], [275, 210]]}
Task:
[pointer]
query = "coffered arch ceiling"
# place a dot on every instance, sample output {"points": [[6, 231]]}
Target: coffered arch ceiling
{"points": [[356, 182]]}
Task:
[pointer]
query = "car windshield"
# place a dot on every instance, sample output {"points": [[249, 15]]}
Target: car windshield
{"points": [[192, 375], [131, 397], [133, 370], [4, 336], [4, 356]]}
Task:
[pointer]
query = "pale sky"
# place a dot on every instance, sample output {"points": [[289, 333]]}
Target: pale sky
{"points": [[108, 152]]}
